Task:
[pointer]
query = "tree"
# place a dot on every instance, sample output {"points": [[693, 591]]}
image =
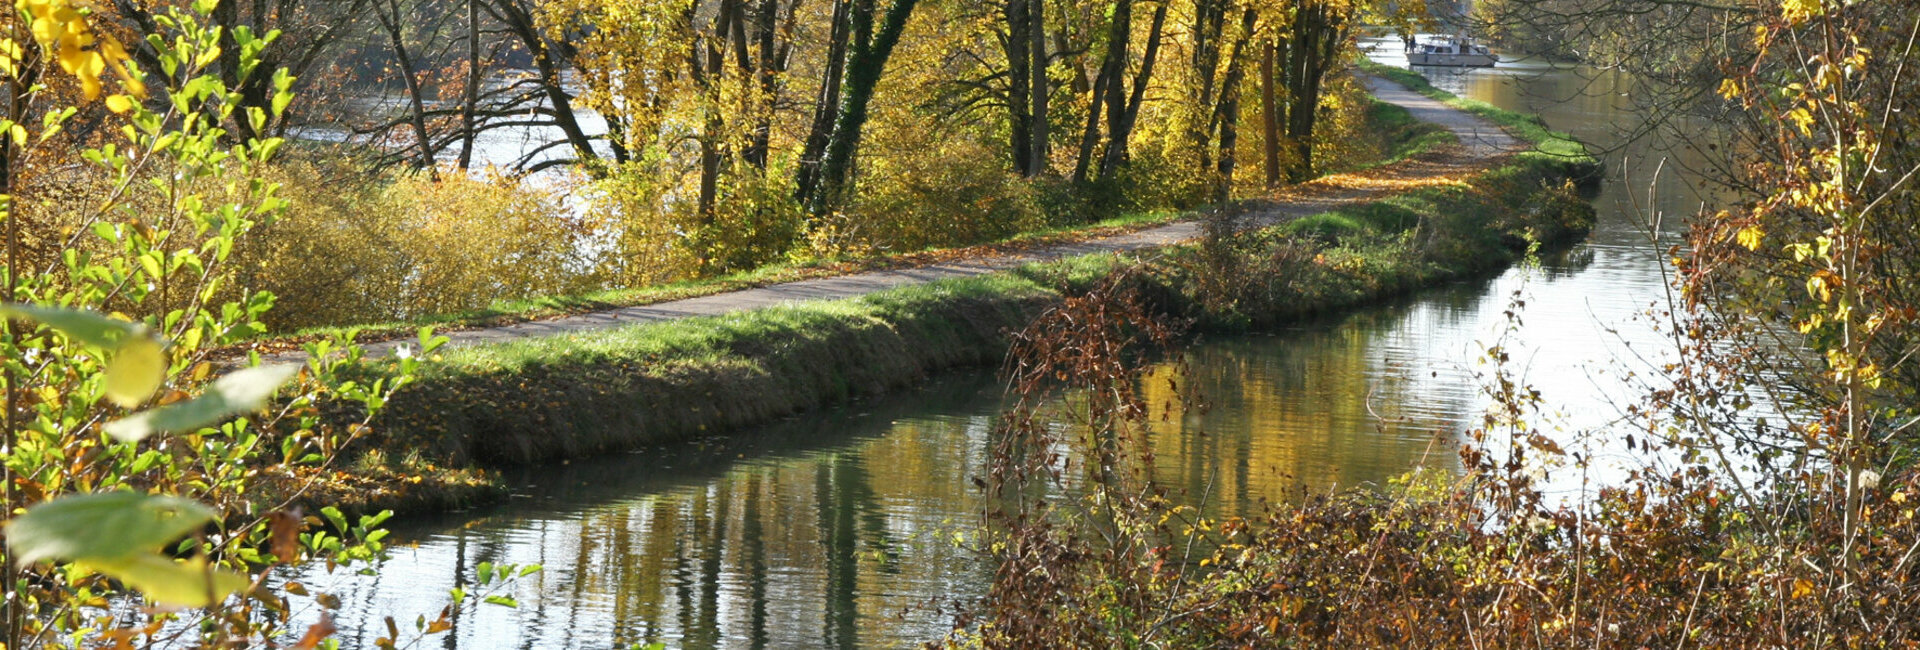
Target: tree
{"points": [[313, 32], [1028, 89], [1120, 101], [388, 14], [867, 54]]}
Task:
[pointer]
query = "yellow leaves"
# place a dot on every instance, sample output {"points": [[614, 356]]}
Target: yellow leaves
{"points": [[1799, 11], [1750, 237], [60, 27], [139, 368], [1821, 284], [1802, 588], [1811, 323], [1729, 88], [1801, 119], [10, 55], [1871, 376]]}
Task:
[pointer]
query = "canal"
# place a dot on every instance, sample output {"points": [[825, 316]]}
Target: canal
{"points": [[847, 527]]}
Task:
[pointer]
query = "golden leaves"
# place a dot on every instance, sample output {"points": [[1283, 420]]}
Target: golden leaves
{"points": [[1798, 11], [1729, 88], [10, 55], [80, 51], [1802, 119]]}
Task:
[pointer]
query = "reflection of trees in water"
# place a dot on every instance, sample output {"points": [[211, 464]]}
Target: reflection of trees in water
{"points": [[1317, 412], [757, 550], [829, 530]]}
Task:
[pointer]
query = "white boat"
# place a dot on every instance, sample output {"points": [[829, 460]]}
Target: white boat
{"points": [[1454, 52]]}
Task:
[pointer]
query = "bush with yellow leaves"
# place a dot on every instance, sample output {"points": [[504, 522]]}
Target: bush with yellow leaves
{"points": [[351, 250]]}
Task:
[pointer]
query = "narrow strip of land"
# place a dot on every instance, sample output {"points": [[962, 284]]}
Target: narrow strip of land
{"points": [[1480, 143]]}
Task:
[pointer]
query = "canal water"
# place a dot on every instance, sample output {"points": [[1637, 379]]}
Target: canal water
{"points": [[844, 528]]}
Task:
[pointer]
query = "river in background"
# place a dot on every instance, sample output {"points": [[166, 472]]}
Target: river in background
{"points": [[838, 528]]}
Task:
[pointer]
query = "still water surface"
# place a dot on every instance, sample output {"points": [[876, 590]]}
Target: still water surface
{"points": [[836, 529]]}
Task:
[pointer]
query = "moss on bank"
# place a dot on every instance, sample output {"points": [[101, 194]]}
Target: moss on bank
{"points": [[550, 399]]}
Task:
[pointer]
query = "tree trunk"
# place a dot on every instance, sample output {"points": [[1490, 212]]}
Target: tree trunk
{"points": [[1122, 131], [768, 68], [226, 15], [1019, 87], [1228, 116], [1114, 68], [1209, 26], [1270, 113], [521, 24], [12, 605], [1090, 136], [1317, 34], [707, 65], [1037, 32], [867, 61], [470, 100], [389, 16], [825, 107]]}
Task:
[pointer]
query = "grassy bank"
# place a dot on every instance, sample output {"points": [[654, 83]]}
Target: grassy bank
{"points": [[1531, 128], [564, 397]]}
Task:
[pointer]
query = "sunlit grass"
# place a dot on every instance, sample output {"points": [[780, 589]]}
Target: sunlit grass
{"points": [[1526, 127]]}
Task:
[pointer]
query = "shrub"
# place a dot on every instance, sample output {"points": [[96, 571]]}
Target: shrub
{"points": [[658, 236], [354, 250], [940, 193]]}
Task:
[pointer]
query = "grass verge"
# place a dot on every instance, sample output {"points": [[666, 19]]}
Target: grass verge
{"points": [[1522, 125]]}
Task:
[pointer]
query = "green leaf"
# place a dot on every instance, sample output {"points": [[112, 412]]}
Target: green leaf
{"points": [[503, 601], [106, 526], [240, 392], [84, 326], [138, 367], [187, 583]]}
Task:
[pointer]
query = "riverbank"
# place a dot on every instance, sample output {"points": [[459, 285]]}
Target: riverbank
{"points": [[583, 393]]}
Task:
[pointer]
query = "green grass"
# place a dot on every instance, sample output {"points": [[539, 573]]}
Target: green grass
{"points": [[1524, 126], [566, 396], [1405, 136], [711, 337]]}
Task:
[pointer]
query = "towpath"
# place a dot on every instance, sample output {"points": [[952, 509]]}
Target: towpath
{"points": [[1480, 143]]}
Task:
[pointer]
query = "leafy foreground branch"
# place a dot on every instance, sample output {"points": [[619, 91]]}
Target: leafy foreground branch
{"points": [[152, 499]]}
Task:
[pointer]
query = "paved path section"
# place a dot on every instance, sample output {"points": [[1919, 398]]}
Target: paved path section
{"points": [[1481, 142]]}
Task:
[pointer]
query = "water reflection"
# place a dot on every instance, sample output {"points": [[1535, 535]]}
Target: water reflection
{"points": [[836, 529]]}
